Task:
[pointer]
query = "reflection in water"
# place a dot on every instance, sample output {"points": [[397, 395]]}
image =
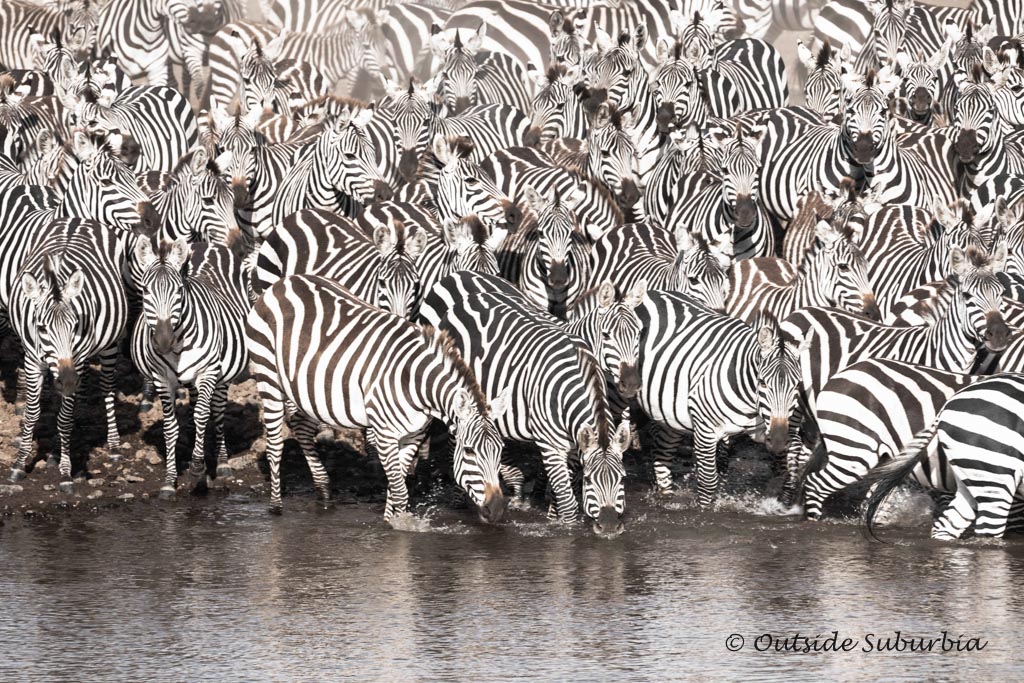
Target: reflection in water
{"points": [[221, 591]]}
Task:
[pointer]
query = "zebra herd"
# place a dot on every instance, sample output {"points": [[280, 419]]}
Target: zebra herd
{"points": [[592, 228]]}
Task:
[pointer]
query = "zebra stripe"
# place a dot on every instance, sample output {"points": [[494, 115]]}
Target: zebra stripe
{"points": [[467, 76], [76, 25]]}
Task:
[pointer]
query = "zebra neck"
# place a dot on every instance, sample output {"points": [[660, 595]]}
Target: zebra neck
{"points": [[809, 283], [950, 342]]}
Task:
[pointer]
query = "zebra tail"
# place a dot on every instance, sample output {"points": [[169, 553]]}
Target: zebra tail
{"points": [[885, 478]]}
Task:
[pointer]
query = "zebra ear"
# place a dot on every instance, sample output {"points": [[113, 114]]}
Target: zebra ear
{"points": [[439, 42], [990, 60], [722, 249], [555, 22], [946, 215], [384, 239], [767, 334], [826, 233], [499, 404], [586, 439], [664, 50], [755, 134], [464, 405], [997, 261], [577, 195], [640, 36], [362, 117], [34, 292], [85, 150], [538, 77], [272, 50], [199, 161], [852, 81], [957, 261], [806, 57], [441, 150], [456, 233], [622, 437], [636, 296], [719, 135], [987, 32], [605, 295], [178, 253], [534, 200], [415, 244], [73, 287], [602, 40], [602, 117], [144, 254], [938, 60], [904, 60], [953, 31], [474, 42], [495, 239]]}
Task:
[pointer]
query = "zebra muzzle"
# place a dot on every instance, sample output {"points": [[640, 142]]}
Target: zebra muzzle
{"points": [[558, 275], [494, 504], [408, 164], [864, 149], [240, 193], [382, 192], [997, 333], [777, 438], [630, 194], [513, 216], [967, 145], [164, 337], [746, 211], [870, 308], [666, 117], [629, 380], [608, 522], [921, 101], [532, 137], [65, 381]]}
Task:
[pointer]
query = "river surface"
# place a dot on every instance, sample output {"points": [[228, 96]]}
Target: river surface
{"points": [[218, 590]]}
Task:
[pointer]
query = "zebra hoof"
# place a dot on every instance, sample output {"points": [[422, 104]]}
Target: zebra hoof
{"points": [[19, 410], [67, 487], [52, 459], [145, 406], [518, 504], [225, 472], [326, 437], [196, 470], [275, 510], [167, 493], [17, 474]]}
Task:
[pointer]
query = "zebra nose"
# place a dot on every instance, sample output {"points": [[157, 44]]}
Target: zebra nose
{"points": [[997, 333], [778, 435], [967, 145], [921, 100], [66, 379], [163, 336], [630, 194], [666, 116], [513, 216], [558, 275], [629, 380], [381, 191], [408, 164], [129, 151], [746, 211], [494, 504], [240, 192], [864, 149], [608, 522], [532, 137], [594, 98], [870, 307], [149, 219], [461, 104]]}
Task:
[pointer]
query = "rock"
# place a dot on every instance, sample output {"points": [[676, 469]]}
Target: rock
{"points": [[126, 496], [49, 487], [134, 478], [240, 462], [9, 489], [41, 465], [98, 481], [141, 453], [120, 481], [154, 459], [95, 494]]}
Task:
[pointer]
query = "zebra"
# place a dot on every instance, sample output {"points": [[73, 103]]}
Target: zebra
{"points": [[867, 413], [468, 76], [920, 84], [833, 273], [68, 305], [845, 208], [555, 111], [190, 332], [568, 44], [824, 91], [397, 377], [277, 86], [24, 119], [636, 251], [417, 124], [685, 95], [731, 206], [336, 171], [379, 269], [76, 25], [547, 260], [557, 389], [978, 438], [686, 161], [715, 376]]}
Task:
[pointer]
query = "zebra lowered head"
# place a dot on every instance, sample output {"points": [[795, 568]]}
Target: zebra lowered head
{"points": [[471, 245], [846, 270], [702, 270], [778, 381], [604, 494], [478, 445], [568, 43], [81, 21], [612, 156], [976, 122], [58, 325], [463, 188], [866, 119], [979, 292], [824, 92], [615, 337], [398, 278]]}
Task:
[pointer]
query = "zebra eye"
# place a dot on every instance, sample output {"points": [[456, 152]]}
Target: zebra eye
{"points": [[693, 280], [843, 268], [472, 181], [106, 182], [350, 156], [605, 153]]}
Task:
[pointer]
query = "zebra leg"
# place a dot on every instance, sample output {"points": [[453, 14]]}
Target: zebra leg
{"points": [[795, 447], [273, 417], [167, 391], [514, 480], [957, 517], [705, 449], [220, 400], [33, 378], [65, 422], [108, 385], [206, 385], [398, 493], [148, 394], [305, 430], [556, 464], [995, 500], [664, 443]]}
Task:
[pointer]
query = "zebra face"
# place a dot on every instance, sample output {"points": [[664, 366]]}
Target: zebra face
{"points": [[561, 246], [103, 188], [823, 89], [58, 326], [1007, 86], [866, 120], [702, 270], [162, 289], [472, 246], [919, 82], [740, 172], [458, 70], [615, 74], [612, 156], [889, 28], [217, 199], [346, 152], [397, 277], [463, 189], [698, 36], [979, 293], [778, 381], [618, 347], [555, 111], [567, 42], [845, 272], [974, 117], [80, 24], [676, 88], [260, 87], [478, 448], [413, 112], [604, 492]]}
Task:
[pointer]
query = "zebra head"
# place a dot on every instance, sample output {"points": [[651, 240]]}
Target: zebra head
{"points": [[58, 323], [824, 92], [677, 88], [212, 180], [561, 254], [618, 344], [555, 111], [568, 43], [888, 30], [1007, 85], [204, 17], [459, 63], [1011, 231], [81, 21], [162, 288], [604, 492], [104, 189], [778, 380], [740, 170], [976, 120], [978, 293], [413, 113], [54, 59], [702, 270], [844, 270], [968, 44], [960, 226], [920, 80], [612, 156], [397, 276], [472, 246], [464, 189], [347, 156], [699, 34], [478, 444], [615, 74], [866, 120], [261, 90], [235, 134]]}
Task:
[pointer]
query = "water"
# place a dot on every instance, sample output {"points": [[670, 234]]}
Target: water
{"points": [[219, 590]]}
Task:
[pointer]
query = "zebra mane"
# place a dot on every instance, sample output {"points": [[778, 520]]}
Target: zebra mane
{"points": [[555, 72], [52, 275], [979, 258], [462, 146], [442, 342], [7, 86], [477, 229], [596, 383], [824, 55], [977, 73], [869, 78]]}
